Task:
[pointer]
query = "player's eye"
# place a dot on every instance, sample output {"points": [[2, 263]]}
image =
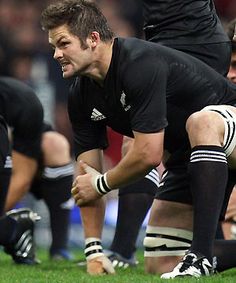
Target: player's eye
{"points": [[233, 64], [64, 44]]}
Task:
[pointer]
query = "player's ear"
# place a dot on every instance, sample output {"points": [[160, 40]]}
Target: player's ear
{"points": [[95, 38]]}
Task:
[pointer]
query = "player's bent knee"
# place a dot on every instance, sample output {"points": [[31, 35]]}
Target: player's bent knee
{"points": [[197, 121], [56, 148], [164, 242]]}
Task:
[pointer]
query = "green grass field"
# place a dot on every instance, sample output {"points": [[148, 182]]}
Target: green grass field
{"points": [[69, 272]]}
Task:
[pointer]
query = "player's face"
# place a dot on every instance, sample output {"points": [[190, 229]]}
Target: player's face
{"points": [[232, 71], [68, 52]]}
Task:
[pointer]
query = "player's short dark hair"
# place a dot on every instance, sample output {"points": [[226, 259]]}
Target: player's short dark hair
{"points": [[82, 17]]}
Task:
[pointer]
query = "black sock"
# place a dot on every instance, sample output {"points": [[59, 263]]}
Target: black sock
{"points": [[133, 207], [208, 172], [5, 175], [225, 251], [56, 192], [7, 228], [5, 164]]}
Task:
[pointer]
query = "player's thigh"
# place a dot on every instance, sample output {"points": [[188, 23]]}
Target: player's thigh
{"points": [[171, 214]]}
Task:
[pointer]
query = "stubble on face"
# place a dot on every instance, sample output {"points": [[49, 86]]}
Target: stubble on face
{"points": [[68, 51]]}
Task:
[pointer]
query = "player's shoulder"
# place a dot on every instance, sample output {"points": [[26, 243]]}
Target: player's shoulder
{"points": [[135, 46], [134, 52]]}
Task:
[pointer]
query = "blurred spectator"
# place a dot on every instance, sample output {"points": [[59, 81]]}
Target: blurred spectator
{"points": [[226, 9]]}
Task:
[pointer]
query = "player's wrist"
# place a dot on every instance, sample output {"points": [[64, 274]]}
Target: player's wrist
{"points": [[101, 185], [93, 248]]}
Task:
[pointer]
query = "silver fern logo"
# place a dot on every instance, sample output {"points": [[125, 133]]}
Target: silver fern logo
{"points": [[123, 102]]}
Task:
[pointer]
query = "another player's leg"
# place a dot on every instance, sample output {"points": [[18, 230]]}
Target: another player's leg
{"points": [[17, 235], [5, 164], [168, 239], [208, 170], [168, 235], [134, 202], [55, 189]]}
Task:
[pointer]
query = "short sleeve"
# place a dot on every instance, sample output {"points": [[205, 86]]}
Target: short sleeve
{"points": [[87, 134], [145, 85]]}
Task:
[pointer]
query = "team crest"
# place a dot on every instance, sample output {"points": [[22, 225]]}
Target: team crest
{"points": [[123, 102]]}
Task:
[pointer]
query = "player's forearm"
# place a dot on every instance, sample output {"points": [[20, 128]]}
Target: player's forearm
{"points": [[144, 153], [133, 166], [92, 214]]}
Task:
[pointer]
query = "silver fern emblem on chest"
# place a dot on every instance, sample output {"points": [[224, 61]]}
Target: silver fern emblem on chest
{"points": [[123, 102]]}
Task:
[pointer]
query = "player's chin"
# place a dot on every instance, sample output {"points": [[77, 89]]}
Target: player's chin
{"points": [[68, 71], [67, 74]]}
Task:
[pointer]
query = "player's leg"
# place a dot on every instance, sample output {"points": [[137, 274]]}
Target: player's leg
{"points": [[5, 164], [134, 202], [168, 235], [212, 137], [169, 231], [168, 238], [129, 220], [210, 144], [55, 189]]}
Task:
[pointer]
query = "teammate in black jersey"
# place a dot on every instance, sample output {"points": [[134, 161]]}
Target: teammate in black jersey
{"points": [[154, 94], [192, 27], [41, 160], [17, 227]]}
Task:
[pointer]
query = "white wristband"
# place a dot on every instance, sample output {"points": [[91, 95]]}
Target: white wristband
{"points": [[101, 185], [93, 248]]}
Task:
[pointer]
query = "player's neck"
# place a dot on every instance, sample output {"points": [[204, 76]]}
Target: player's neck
{"points": [[102, 61]]}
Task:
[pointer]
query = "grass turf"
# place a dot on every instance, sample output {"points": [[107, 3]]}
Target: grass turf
{"points": [[69, 272]]}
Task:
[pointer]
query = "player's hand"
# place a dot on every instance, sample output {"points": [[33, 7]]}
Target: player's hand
{"points": [[99, 266], [83, 188]]}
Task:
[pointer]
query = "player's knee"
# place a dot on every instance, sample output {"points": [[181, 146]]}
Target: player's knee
{"points": [[205, 127], [198, 121], [56, 149], [164, 245]]}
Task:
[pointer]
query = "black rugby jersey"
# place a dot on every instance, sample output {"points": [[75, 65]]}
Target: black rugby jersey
{"points": [[182, 22], [148, 87], [20, 108]]}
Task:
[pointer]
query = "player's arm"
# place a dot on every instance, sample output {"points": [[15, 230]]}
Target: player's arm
{"points": [[94, 209], [92, 215], [23, 171], [144, 154]]}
